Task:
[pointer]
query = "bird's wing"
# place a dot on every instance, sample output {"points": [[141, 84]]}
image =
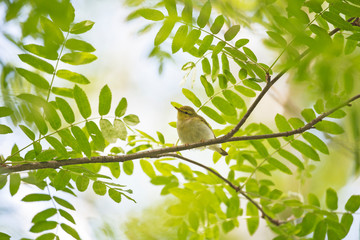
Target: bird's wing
{"points": [[207, 124]]}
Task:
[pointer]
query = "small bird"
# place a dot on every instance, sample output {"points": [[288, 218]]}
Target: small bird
{"points": [[193, 128]]}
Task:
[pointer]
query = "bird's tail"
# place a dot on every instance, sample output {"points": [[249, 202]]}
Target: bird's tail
{"points": [[218, 149]]}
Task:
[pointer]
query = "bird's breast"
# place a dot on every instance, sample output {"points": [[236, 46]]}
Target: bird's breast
{"points": [[193, 130]]}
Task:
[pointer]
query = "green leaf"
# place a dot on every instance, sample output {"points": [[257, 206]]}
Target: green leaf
{"points": [[282, 124], [218, 24], [234, 99], [37, 63], [346, 8], [355, 37], [213, 115], [307, 224], [69, 230], [79, 45], [104, 100], [241, 42], [331, 199], [67, 216], [72, 76], [82, 140], [191, 39], [231, 32], [131, 119], [291, 158], [186, 14], [164, 32], [308, 114], [205, 64], [52, 32], [179, 38], [346, 222], [219, 46], [52, 116], [68, 139], [3, 180], [151, 14], [78, 58], [236, 54], [353, 204], [279, 165], [5, 129], [161, 137], [42, 51], [316, 142], [99, 188], [82, 27], [15, 181], [66, 110], [338, 114], [121, 108], [253, 222], [43, 226], [61, 179], [82, 183], [205, 45], [57, 145], [82, 102], [39, 121], [204, 15], [108, 130], [329, 127], [65, 92], [336, 20], [4, 236], [207, 86], [47, 236], [277, 38], [313, 200], [305, 149], [64, 203], [5, 111], [147, 168], [128, 167], [245, 91], [170, 6], [252, 84], [250, 54], [43, 215], [114, 195], [33, 78], [224, 106], [192, 97], [260, 148], [35, 197], [96, 136], [193, 220], [28, 132], [120, 128], [320, 230]]}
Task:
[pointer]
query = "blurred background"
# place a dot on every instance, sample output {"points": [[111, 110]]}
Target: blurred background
{"points": [[124, 65]]}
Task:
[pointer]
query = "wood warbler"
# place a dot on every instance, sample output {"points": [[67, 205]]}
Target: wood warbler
{"points": [[193, 128]]}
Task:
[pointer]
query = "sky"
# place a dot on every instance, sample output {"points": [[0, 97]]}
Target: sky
{"points": [[123, 65]]}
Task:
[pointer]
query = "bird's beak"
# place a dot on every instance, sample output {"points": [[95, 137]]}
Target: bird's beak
{"points": [[178, 109]]}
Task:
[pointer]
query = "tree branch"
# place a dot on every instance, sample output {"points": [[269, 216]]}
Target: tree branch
{"points": [[16, 167]]}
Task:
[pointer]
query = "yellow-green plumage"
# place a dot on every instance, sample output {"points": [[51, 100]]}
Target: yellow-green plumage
{"points": [[193, 128]]}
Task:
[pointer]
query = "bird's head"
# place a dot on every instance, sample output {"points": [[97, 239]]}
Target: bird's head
{"points": [[186, 112]]}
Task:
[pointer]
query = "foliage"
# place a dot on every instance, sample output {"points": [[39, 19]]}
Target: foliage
{"points": [[66, 154]]}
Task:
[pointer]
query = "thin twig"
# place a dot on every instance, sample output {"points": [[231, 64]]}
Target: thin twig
{"points": [[233, 186]]}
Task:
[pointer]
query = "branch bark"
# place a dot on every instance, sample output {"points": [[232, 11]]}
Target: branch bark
{"points": [[158, 152]]}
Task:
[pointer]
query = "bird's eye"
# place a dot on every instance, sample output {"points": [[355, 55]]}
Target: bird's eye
{"points": [[187, 113]]}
